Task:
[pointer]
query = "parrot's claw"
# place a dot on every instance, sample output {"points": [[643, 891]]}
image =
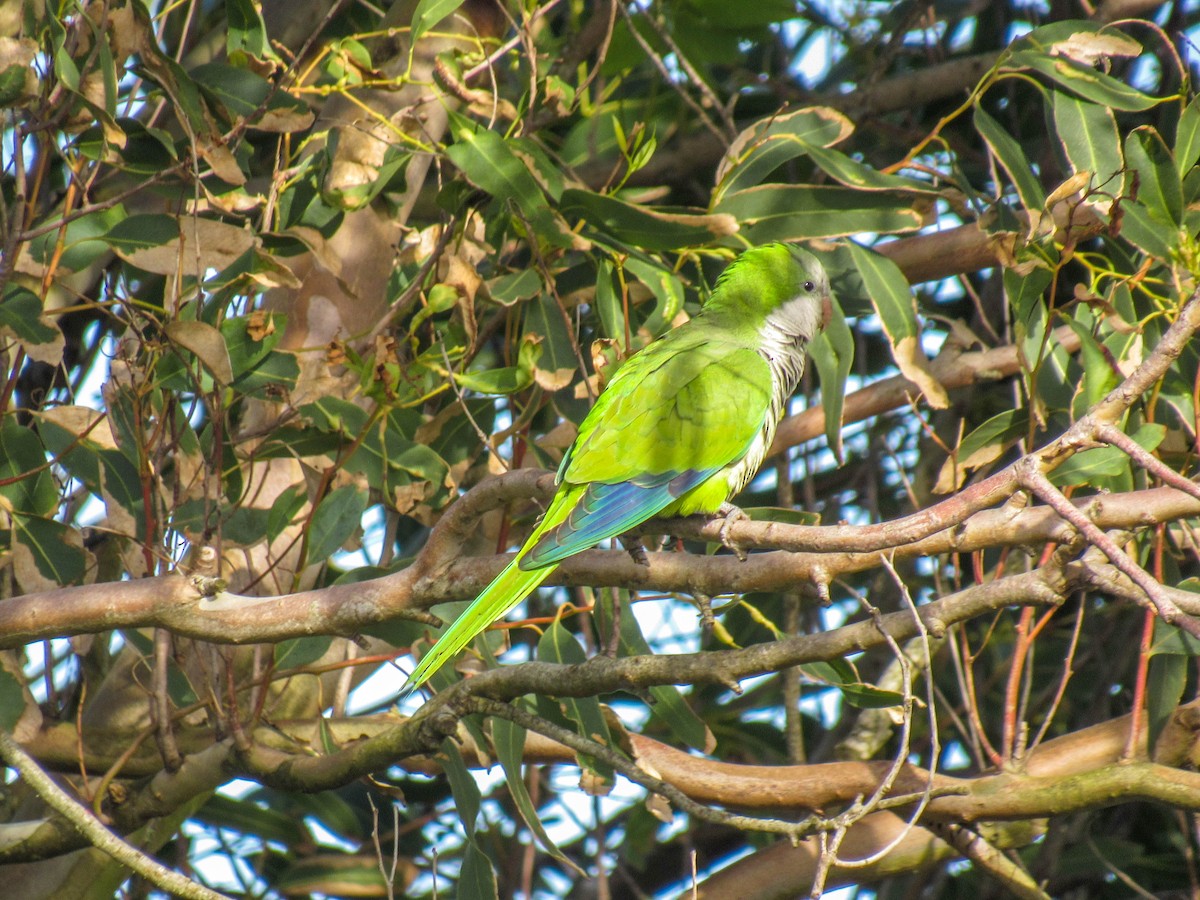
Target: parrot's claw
{"points": [[731, 514], [635, 548]]}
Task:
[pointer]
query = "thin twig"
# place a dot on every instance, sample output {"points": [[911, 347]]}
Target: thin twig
{"points": [[1068, 671], [100, 837], [1111, 434], [901, 758], [1035, 480], [1007, 873], [484, 439], [701, 85], [161, 702], [671, 79]]}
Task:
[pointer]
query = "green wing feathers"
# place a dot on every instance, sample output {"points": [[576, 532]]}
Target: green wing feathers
{"points": [[689, 402], [506, 590]]}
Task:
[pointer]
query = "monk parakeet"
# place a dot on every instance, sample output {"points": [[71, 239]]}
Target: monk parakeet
{"points": [[682, 427]]}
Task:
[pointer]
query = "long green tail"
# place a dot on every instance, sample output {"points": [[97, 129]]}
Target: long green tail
{"points": [[507, 589]]}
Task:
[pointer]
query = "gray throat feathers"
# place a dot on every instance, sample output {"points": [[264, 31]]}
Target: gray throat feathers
{"points": [[784, 351]]}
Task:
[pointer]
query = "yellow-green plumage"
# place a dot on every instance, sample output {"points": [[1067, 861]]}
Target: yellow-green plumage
{"points": [[681, 428], [505, 591]]}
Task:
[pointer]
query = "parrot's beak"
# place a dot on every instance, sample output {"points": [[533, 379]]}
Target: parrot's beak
{"points": [[826, 312]]}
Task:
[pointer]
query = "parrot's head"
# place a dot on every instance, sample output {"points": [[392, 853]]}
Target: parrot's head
{"points": [[780, 287]]}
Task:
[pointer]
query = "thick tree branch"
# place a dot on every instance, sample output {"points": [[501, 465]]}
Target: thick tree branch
{"points": [[785, 870], [176, 603], [1067, 773], [704, 149]]}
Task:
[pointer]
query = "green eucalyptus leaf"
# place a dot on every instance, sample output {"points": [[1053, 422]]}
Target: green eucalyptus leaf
{"points": [[1065, 52], [841, 675], [1159, 188], [789, 212], [509, 740], [664, 285], [1089, 466], [428, 13], [21, 318], [1012, 158], [1187, 137], [833, 355], [245, 525], [467, 797], [769, 143], [857, 175], [558, 645], [509, 379], [1146, 232], [476, 877], [1171, 640], [646, 227], [26, 484], [513, 287], [558, 363], [55, 549], [609, 304], [893, 301], [1099, 375], [490, 163], [984, 445], [85, 239], [1165, 682], [1089, 138], [246, 95], [245, 34], [299, 652], [12, 701], [337, 517]]}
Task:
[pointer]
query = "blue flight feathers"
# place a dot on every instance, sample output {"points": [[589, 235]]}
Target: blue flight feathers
{"points": [[608, 509]]}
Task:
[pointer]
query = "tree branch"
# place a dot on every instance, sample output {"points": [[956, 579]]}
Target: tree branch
{"points": [[95, 832]]}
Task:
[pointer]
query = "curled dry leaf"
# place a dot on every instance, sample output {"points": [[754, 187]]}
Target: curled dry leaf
{"points": [[224, 164], [553, 379], [559, 437], [201, 244], [259, 325], [914, 365], [84, 423], [335, 353], [460, 274], [208, 345], [658, 807], [283, 120], [409, 499], [1090, 48]]}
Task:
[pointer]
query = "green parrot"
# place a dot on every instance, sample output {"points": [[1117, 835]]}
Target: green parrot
{"points": [[682, 427]]}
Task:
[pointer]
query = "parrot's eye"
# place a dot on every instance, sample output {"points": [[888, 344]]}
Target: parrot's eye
{"points": [[809, 286]]}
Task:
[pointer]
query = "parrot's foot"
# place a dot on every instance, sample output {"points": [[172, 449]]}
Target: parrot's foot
{"points": [[635, 548], [731, 514]]}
